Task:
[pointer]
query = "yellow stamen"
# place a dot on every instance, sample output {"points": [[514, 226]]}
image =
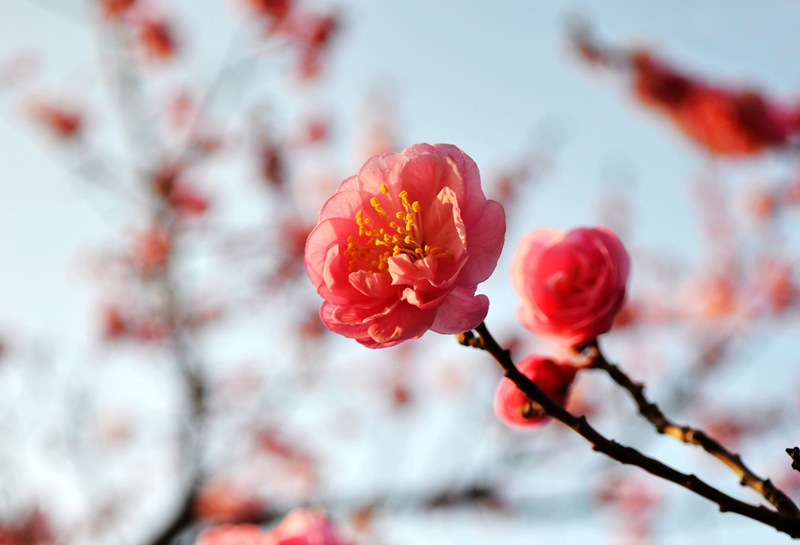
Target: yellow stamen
{"points": [[384, 239]]}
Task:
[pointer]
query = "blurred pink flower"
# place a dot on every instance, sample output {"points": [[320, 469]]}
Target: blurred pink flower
{"points": [[401, 247], [223, 501], [65, 122], [115, 9], [157, 38], [305, 527], [231, 534], [515, 409], [571, 285]]}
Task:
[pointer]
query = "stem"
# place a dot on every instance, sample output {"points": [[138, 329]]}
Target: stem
{"points": [[694, 436], [795, 454], [621, 453]]}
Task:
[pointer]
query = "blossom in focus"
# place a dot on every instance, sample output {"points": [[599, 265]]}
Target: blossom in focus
{"points": [[571, 285], [515, 409], [401, 247], [305, 527]]}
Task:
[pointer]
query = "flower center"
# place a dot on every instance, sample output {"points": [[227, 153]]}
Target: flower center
{"points": [[389, 236]]}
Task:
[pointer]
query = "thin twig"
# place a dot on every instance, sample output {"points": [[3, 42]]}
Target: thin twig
{"points": [[693, 436], [621, 453], [795, 454]]}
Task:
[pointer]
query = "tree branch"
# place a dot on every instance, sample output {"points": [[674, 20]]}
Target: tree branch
{"points": [[621, 453], [693, 436], [795, 454]]}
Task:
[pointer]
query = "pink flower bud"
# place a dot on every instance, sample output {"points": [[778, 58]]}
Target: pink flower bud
{"points": [[571, 285], [305, 527], [515, 409], [401, 247]]}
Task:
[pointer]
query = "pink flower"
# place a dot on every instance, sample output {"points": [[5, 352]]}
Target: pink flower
{"points": [[572, 285], [401, 247], [231, 534], [305, 527], [515, 409]]}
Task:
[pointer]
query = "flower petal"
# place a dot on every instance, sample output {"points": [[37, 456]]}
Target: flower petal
{"points": [[461, 311], [484, 245], [405, 322]]}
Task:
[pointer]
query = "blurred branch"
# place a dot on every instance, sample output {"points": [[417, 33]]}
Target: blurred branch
{"points": [[693, 436], [621, 453], [180, 521]]}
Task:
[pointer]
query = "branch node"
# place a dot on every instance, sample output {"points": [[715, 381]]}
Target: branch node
{"points": [[795, 455]]}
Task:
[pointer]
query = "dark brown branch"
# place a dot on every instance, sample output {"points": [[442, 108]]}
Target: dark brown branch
{"points": [[181, 520], [693, 436], [795, 454], [621, 453]]}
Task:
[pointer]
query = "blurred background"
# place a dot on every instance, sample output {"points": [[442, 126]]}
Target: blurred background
{"points": [[162, 364]]}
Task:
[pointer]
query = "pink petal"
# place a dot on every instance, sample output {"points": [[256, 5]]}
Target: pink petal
{"points": [[357, 331], [373, 285], [523, 263], [411, 273], [462, 311], [328, 233], [382, 169], [473, 200], [442, 224], [343, 205], [405, 322], [484, 244], [348, 184]]}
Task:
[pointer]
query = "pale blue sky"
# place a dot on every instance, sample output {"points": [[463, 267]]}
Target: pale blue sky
{"points": [[481, 75]]}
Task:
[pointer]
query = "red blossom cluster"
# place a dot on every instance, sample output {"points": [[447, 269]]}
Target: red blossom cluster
{"points": [[178, 194], [310, 32], [300, 527], [723, 120], [126, 323]]}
